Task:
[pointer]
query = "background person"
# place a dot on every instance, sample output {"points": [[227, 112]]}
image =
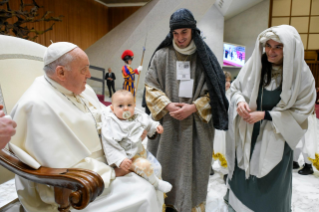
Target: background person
{"points": [[128, 73], [110, 78], [307, 146], [220, 137]]}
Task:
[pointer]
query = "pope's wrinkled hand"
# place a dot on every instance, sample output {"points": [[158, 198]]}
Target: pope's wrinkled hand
{"points": [[120, 172], [126, 164], [7, 128]]}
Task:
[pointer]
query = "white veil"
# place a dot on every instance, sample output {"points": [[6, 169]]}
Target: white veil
{"points": [[289, 116]]}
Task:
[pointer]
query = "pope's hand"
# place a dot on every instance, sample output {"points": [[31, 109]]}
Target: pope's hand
{"points": [[7, 128], [120, 172], [126, 164], [140, 68]]}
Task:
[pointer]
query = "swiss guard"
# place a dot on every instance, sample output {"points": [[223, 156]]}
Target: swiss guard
{"points": [[128, 73]]}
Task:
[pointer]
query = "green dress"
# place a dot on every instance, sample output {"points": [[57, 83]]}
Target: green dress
{"points": [[273, 191]]}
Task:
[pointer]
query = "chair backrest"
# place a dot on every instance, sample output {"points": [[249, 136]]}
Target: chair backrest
{"points": [[21, 61]]}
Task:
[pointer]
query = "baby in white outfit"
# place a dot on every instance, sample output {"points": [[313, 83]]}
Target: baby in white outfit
{"points": [[123, 126]]}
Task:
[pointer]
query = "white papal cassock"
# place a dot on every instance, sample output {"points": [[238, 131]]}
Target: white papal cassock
{"points": [[59, 130]]}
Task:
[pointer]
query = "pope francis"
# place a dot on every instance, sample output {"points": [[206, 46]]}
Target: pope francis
{"points": [[58, 120]]}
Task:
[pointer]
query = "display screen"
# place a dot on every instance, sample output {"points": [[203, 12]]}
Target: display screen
{"points": [[234, 55]]}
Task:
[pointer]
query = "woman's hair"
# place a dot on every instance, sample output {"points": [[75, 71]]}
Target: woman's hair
{"points": [[266, 68]]}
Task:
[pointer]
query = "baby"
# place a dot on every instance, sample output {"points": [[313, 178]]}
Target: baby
{"points": [[123, 126]]}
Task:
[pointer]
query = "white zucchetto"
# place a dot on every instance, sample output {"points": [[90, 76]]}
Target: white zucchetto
{"points": [[57, 50]]}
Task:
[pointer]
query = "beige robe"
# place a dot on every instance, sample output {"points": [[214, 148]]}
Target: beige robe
{"points": [[186, 147]]}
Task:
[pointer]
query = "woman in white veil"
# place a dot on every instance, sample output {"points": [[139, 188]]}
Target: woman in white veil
{"points": [[271, 100]]}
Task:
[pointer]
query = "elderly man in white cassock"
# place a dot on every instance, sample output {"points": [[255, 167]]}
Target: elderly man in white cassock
{"points": [[59, 126]]}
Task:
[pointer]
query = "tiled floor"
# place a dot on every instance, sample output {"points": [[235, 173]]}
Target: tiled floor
{"points": [[305, 192], [7, 192]]}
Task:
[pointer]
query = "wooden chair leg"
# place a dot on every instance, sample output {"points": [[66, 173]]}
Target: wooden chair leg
{"points": [[62, 198]]}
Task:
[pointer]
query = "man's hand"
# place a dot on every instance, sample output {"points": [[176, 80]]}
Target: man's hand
{"points": [[243, 110], [126, 164], [159, 129], [120, 172], [110, 78], [7, 129], [185, 111], [255, 117], [171, 107]]}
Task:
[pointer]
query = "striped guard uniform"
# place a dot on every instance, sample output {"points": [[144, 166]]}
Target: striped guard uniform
{"points": [[129, 78]]}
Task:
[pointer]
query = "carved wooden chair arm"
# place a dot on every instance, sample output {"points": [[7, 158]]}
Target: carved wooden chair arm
{"points": [[75, 187]]}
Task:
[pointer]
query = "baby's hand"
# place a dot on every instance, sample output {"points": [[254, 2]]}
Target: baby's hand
{"points": [[126, 164], [159, 129]]}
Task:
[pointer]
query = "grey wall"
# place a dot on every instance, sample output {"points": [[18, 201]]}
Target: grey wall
{"points": [[152, 21], [244, 28], [212, 28]]}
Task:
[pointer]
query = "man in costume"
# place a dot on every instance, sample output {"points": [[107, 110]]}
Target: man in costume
{"points": [[59, 120], [270, 101], [110, 77], [185, 91], [128, 73], [7, 128]]}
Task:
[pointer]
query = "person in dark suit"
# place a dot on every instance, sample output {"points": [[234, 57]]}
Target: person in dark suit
{"points": [[110, 77]]}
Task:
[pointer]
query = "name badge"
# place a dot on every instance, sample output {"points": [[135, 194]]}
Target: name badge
{"points": [[183, 71], [186, 88]]}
